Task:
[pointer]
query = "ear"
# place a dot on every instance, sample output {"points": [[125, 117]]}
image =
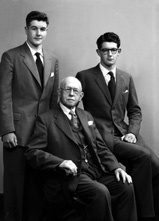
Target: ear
{"points": [[25, 28], [119, 50], [81, 96], [98, 52]]}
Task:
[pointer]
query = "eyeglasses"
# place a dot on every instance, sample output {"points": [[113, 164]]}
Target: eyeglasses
{"points": [[106, 51], [69, 90]]}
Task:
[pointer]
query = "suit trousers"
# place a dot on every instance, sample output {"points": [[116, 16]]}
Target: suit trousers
{"points": [[23, 198], [14, 173], [106, 198], [143, 165]]}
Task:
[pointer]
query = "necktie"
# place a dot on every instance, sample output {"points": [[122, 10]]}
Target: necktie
{"points": [[74, 119], [39, 66], [111, 85]]}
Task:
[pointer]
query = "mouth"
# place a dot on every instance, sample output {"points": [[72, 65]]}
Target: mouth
{"points": [[37, 39], [71, 100]]}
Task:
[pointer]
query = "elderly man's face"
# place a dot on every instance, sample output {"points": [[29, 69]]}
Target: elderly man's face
{"points": [[70, 92]]}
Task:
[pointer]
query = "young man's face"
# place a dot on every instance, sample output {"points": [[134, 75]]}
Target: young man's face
{"points": [[36, 33], [108, 54]]}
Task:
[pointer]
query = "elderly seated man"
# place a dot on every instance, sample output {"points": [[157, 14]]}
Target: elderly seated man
{"points": [[68, 148]]}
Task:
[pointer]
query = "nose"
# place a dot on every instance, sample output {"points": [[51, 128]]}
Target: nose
{"points": [[71, 92], [38, 32], [109, 52]]}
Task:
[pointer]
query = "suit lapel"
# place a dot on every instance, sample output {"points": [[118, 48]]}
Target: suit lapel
{"points": [[102, 84], [63, 123], [47, 66], [29, 62], [119, 83]]}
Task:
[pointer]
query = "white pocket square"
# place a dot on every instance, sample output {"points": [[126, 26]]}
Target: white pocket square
{"points": [[90, 123], [126, 91], [52, 74]]}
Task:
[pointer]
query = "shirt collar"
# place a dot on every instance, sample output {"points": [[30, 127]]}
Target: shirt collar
{"points": [[34, 51], [105, 70], [66, 110]]}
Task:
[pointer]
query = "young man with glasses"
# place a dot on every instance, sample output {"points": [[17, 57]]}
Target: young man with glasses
{"points": [[110, 94]]}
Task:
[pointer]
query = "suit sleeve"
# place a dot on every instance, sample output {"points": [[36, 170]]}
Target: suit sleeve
{"points": [[133, 110], [6, 106], [36, 149]]}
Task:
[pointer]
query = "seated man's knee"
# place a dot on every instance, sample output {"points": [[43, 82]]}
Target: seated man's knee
{"points": [[145, 153], [102, 193]]}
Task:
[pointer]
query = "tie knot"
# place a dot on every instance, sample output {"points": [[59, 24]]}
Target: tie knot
{"points": [[37, 54], [72, 113], [111, 73]]}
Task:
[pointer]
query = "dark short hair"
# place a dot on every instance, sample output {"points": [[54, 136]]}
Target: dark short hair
{"points": [[108, 37], [36, 15]]}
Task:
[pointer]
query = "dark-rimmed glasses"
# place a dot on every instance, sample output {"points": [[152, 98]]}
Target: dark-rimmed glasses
{"points": [[112, 50]]}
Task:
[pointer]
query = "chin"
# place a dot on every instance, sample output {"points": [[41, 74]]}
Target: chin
{"points": [[36, 44]]}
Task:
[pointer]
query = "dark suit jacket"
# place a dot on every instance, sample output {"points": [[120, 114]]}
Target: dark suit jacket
{"points": [[109, 115], [53, 141], [21, 95]]}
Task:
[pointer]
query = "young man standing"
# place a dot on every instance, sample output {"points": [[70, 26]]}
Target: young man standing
{"points": [[28, 87], [109, 94]]}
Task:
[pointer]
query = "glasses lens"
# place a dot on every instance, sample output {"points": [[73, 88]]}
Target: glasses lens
{"points": [[113, 50]]}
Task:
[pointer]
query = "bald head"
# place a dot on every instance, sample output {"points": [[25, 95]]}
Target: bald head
{"points": [[71, 80]]}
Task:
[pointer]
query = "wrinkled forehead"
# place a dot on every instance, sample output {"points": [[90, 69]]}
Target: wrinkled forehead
{"points": [[71, 82]]}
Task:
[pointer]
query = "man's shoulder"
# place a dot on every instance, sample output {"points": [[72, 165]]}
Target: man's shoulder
{"points": [[88, 71], [50, 53], [48, 113], [123, 73], [15, 49], [84, 112]]}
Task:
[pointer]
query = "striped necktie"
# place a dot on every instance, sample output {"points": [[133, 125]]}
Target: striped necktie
{"points": [[74, 120]]}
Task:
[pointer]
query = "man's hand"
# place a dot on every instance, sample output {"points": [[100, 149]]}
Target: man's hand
{"points": [[69, 167], [10, 140], [130, 138], [121, 174]]}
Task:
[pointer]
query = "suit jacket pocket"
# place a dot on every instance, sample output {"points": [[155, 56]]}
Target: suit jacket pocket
{"points": [[125, 97]]}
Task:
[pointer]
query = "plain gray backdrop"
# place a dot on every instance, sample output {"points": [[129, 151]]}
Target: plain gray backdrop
{"points": [[74, 28]]}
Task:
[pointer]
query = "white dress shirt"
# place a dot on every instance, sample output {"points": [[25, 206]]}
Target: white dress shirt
{"points": [[66, 110], [105, 73], [35, 51]]}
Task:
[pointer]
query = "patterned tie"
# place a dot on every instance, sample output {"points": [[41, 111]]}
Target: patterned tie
{"points": [[111, 85], [74, 120], [39, 66]]}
